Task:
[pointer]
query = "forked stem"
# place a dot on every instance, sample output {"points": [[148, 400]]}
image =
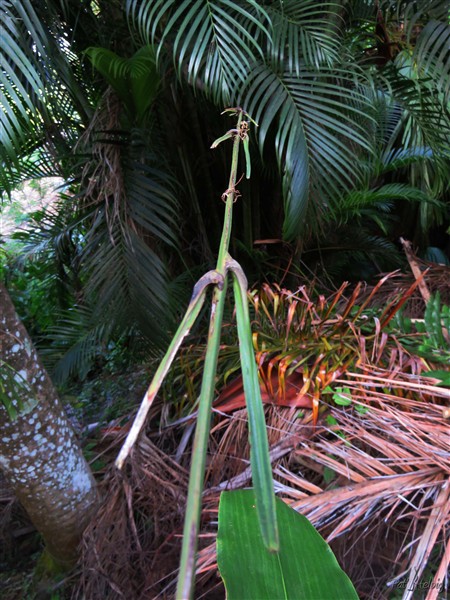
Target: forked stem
{"points": [[186, 575], [260, 459]]}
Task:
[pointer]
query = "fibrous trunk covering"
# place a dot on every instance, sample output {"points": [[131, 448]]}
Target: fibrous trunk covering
{"points": [[39, 453]]}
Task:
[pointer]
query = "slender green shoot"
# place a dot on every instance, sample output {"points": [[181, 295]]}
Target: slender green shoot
{"points": [[260, 459], [186, 574]]}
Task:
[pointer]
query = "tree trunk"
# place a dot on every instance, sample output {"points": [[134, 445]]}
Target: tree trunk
{"points": [[39, 453]]}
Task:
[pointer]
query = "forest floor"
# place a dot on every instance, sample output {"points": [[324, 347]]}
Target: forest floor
{"points": [[382, 433]]}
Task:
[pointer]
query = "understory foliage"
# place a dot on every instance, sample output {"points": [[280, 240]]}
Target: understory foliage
{"points": [[121, 99]]}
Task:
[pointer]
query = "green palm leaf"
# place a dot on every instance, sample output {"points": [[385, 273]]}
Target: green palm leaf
{"points": [[38, 90], [353, 252], [216, 42], [126, 272], [404, 157], [375, 204], [152, 203], [72, 345], [425, 121], [384, 194], [412, 14], [432, 55], [22, 79], [36, 165], [319, 120], [125, 256], [135, 79], [304, 32]]}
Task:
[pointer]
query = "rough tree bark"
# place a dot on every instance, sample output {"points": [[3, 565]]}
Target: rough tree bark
{"points": [[39, 453]]}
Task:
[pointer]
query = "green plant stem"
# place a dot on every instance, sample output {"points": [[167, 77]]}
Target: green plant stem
{"points": [[186, 577]]}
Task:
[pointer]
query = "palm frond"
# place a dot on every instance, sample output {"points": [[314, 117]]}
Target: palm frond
{"points": [[36, 165], [321, 123], [215, 41], [40, 98], [382, 196], [414, 14], [432, 55], [23, 78], [71, 346], [134, 79], [357, 254], [124, 271], [304, 33], [425, 121], [152, 202], [400, 158], [362, 10]]}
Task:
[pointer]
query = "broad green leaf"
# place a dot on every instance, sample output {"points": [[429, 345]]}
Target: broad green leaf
{"points": [[113, 68], [304, 567], [144, 80], [135, 80], [328, 474], [331, 421]]}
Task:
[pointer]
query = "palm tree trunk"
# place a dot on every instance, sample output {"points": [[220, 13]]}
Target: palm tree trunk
{"points": [[39, 453]]}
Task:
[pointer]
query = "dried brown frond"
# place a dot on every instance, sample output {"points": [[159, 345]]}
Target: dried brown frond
{"points": [[389, 461], [437, 279], [130, 545], [102, 176], [387, 506]]}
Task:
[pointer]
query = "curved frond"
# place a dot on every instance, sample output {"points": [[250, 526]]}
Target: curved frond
{"points": [[74, 343], [413, 14], [382, 196], [404, 157], [22, 80], [425, 121], [216, 41], [108, 63], [152, 203], [125, 272], [135, 79], [40, 98], [34, 166], [321, 123], [432, 55], [354, 252], [305, 32], [125, 257]]}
